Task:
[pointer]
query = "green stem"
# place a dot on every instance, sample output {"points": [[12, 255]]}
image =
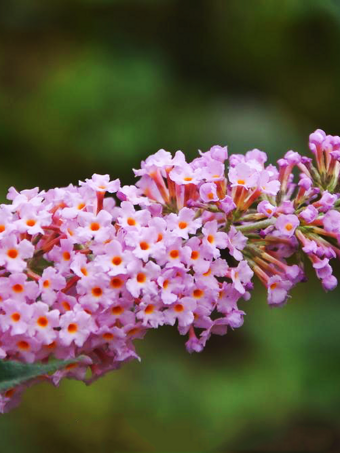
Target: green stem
{"points": [[256, 225]]}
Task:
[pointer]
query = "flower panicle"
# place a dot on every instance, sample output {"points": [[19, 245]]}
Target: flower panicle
{"points": [[88, 269]]}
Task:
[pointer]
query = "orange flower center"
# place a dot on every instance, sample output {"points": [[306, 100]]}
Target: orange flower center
{"points": [[66, 256], [116, 282], [174, 254], [42, 321], [149, 309], [12, 253], [18, 288], [198, 293], [195, 255], [83, 270], [66, 306], [23, 345], [211, 239], [178, 308], [210, 196], [141, 277], [16, 317], [144, 245], [72, 328], [31, 222], [46, 284], [116, 260], [131, 221], [160, 237], [117, 310], [97, 291], [273, 285], [188, 179], [2, 228], [95, 226], [289, 227], [108, 336], [182, 225], [165, 284], [240, 181]]}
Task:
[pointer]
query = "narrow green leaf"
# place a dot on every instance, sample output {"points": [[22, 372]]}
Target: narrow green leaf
{"points": [[13, 373]]}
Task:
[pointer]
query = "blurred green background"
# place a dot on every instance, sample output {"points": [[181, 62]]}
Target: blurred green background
{"points": [[97, 85]]}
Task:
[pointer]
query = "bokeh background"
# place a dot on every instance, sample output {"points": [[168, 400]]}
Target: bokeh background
{"points": [[95, 86]]}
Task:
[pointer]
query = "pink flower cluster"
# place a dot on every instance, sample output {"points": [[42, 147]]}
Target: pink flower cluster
{"points": [[84, 272]]}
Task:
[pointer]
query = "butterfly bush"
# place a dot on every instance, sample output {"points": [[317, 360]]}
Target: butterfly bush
{"points": [[86, 270]]}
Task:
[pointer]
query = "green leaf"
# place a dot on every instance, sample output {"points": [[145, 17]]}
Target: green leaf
{"points": [[13, 373]]}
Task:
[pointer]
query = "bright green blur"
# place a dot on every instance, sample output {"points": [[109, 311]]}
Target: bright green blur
{"points": [[96, 86]]}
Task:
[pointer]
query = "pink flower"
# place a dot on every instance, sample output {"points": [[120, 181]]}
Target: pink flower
{"points": [[102, 183], [14, 254], [199, 258], [172, 282], [94, 291], [213, 239], [144, 243], [182, 311], [267, 185], [63, 255], [226, 204], [16, 287], [25, 347], [175, 254], [208, 192], [32, 220], [128, 218], [114, 260], [161, 159], [243, 175], [236, 242], [50, 282], [241, 275], [266, 208], [120, 310], [16, 317], [309, 214], [76, 327], [142, 278], [150, 314], [219, 153], [82, 267], [6, 225], [43, 322], [287, 224], [184, 174], [97, 227], [111, 337], [184, 223], [331, 221], [278, 290], [213, 171]]}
